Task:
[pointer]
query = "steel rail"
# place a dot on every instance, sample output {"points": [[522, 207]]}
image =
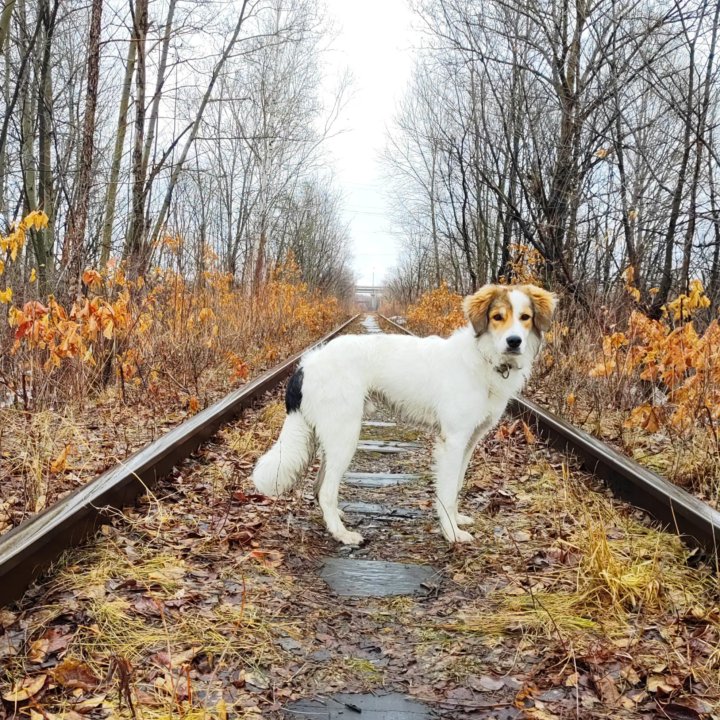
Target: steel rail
{"points": [[32, 546], [675, 508]]}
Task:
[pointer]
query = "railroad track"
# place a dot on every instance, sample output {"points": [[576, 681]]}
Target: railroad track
{"points": [[208, 593], [32, 546]]}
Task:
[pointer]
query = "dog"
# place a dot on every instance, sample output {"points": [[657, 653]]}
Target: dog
{"points": [[458, 386]]}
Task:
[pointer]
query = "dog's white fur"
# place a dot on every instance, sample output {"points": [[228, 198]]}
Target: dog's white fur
{"points": [[459, 385]]}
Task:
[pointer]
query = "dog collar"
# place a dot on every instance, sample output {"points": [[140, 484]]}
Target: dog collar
{"points": [[504, 370]]}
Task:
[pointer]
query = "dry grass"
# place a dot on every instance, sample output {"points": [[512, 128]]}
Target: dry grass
{"points": [[625, 575]]}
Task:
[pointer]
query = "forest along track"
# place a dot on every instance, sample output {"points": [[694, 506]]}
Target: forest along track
{"points": [[208, 600]]}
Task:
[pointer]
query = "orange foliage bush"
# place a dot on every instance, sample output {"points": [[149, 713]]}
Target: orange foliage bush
{"points": [[159, 331], [674, 357], [438, 311]]}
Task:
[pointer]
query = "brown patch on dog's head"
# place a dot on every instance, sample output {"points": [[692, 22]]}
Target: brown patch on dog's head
{"points": [[488, 298], [544, 304]]}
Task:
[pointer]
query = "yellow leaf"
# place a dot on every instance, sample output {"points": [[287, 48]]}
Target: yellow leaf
{"points": [[570, 399], [33, 275], [6, 295], [2, 267]]}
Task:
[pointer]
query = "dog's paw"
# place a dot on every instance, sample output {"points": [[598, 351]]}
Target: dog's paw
{"points": [[464, 519], [350, 538], [460, 536]]}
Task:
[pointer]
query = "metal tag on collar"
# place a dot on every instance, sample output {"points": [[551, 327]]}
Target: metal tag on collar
{"points": [[504, 371]]}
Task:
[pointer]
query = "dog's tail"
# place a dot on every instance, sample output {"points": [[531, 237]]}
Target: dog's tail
{"points": [[281, 466]]}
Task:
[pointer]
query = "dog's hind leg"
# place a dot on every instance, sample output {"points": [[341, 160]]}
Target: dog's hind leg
{"points": [[339, 445], [320, 479], [449, 459]]}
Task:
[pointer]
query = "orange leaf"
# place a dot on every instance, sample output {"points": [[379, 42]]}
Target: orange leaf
{"points": [[530, 438], [75, 674], [59, 464]]}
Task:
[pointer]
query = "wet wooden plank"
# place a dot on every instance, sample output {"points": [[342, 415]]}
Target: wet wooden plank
{"points": [[379, 480], [387, 446], [377, 578], [379, 511], [371, 325], [343, 706]]}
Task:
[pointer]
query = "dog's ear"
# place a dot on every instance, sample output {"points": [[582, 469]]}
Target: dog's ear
{"points": [[477, 307], [544, 304]]}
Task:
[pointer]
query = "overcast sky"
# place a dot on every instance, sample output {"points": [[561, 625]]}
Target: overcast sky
{"points": [[373, 40]]}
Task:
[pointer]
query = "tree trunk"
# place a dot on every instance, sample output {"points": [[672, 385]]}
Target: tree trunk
{"points": [[661, 297], [75, 238], [134, 243], [111, 196], [699, 146]]}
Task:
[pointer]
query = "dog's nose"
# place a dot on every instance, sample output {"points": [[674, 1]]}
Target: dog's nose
{"points": [[514, 342]]}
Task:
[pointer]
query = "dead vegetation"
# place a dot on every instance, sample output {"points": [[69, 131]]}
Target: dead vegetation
{"points": [[86, 386], [207, 603]]}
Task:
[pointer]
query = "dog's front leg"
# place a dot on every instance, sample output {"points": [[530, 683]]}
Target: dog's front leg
{"points": [[479, 433], [449, 461]]}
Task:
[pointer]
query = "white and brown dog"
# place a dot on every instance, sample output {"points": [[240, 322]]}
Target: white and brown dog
{"points": [[460, 386]]}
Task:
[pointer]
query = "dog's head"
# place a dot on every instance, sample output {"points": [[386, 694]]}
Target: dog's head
{"points": [[509, 316]]}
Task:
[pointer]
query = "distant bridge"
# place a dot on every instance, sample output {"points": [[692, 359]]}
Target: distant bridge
{"points": [[369, 295]]}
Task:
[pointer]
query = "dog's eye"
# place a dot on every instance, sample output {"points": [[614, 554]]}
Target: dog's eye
{"points": [[524, 317], [497, 317]]}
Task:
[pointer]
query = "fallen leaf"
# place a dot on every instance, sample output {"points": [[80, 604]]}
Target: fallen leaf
{"points": [[176, 659], [58, 639], [38, 650], [661, 684], [630, 675], [147, 606], [90, 703], [572, 680], [607, 690], [267, 558], [6, 618], [486, 683], [59, 464], [72, 673], [530, 438], [25, 689], [678, 711], [521, 536]]}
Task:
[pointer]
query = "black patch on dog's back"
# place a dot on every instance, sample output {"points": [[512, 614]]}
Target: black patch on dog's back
{"points": [[293, 394]]}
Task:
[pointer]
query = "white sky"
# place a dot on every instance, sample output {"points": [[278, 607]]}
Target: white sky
{"points": [[374, 40]]}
